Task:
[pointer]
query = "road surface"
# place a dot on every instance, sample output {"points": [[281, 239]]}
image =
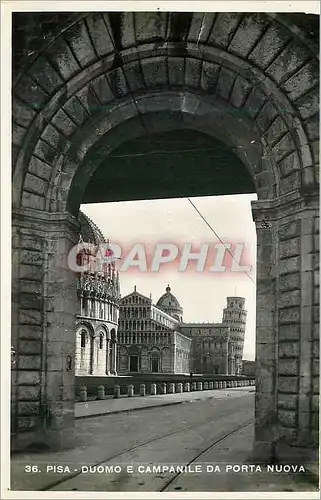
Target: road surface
{"points": [[190, 446]]}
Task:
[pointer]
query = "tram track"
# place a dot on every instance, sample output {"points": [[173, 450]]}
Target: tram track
{"points": [[208, 448], [149, 441]]}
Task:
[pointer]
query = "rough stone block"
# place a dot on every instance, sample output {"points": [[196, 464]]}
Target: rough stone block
{"points": [[64, 124], [75, 109], [287, 418], [289, 282], [79, 40], [225, 83], [43, 73], [40, 168], [30, 239], [315, 366], [287, 401], [28, 408], [117, 82], [289, 298], [28, 393], [248, 33], [88, 99], [35, 185], [283, 433], [209, 78], [55, 363], [266, 116], [22, 113], [289, 332], [31, 272], [30, 332], [315, 420], [27, 423], [193, 71], [102, 89], [46, 152], [224, 28], [274, 135], [289, 164], [316, 385], [264, 384], [290, 230], [288, 384], [269, 46], [29, 286], [134, 76], [255, 102], [176, 70], [53, 137], [30, 301], [290, 59], [289, 315], [283, 147], [290, 265], [29, 346], [62, 57], [30, 257], [200, 25], [31, 93], [151, 27], [32, 317], [99, 34], [29, 362], [28, 377], [302, 81], [289, 350], [308, 104], [241, 90], [288, 367], [155, 71]]}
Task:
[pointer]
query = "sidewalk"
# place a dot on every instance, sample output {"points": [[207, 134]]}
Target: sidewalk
{"points": [[109, 406]]}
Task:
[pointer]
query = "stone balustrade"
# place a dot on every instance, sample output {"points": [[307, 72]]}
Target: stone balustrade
{"points": [[163, 388]]}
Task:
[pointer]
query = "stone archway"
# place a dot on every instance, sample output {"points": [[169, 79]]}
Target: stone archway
{"points": [[249, 80]]}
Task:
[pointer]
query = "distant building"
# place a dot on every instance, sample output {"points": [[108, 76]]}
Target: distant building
{"points": [[154, 338], [99, 295], [248, 368], [149, 337], [234, 315]]}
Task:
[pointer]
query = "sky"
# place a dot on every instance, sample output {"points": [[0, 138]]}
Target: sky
{"points": [[202, 293]]}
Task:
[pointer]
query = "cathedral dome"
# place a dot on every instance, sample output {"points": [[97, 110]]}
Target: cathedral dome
{"points": [[169, 304], [89, 232]]}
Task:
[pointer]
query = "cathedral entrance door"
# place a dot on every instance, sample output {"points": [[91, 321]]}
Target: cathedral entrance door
{"points": [[133, 363], [155, 364]]}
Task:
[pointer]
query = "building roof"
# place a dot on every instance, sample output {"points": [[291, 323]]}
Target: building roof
{"points": [[169, 301], [89, 232]]}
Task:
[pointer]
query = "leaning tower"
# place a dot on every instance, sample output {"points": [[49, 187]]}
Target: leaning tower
{"points": [[234, 315]]}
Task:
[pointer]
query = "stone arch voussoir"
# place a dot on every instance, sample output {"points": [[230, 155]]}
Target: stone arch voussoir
{"points": [[277, 88]]}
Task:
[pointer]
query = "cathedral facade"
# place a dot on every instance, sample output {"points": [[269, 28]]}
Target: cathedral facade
{"points": [[155, 339], [149, 337]]}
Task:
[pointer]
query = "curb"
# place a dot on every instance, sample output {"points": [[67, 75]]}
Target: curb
{"points": [[129, 410]]}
